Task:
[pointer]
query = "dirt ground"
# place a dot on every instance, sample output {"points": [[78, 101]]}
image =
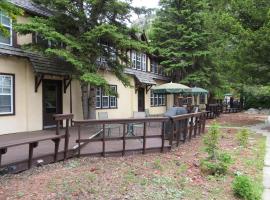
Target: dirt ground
{"points": [[172, 175]]}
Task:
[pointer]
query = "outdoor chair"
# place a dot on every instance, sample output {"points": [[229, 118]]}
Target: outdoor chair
{"points": [[109, 127]]}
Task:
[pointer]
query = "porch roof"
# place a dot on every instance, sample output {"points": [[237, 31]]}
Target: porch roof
{"points": [[29, 6], [41, 64]]}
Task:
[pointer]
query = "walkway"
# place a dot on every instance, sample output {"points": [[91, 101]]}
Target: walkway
{"points": [[266, 170]]}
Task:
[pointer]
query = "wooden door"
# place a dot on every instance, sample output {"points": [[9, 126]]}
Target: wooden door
{"points": [[52, 101], [141, 100]]}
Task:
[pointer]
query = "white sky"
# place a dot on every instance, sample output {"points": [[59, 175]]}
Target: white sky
{"points": [[146, 3]]}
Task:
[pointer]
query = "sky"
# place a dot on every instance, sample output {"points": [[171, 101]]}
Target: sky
{"points": [[146, 3]]}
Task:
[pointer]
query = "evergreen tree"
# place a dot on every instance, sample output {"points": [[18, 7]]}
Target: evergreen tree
{"points": [[178, 36], [84, 27]]}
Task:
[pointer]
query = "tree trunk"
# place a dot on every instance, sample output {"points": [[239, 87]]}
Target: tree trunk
{"points": [[85, 97], [92, 103]]}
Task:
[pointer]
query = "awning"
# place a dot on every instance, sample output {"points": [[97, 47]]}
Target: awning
{"points": [[197, 90], [171, 88], [145, 78]]}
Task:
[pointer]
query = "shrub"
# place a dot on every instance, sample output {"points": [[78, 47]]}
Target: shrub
{"points": [[211, 141], [245, 188], [217, 166], [242, 137]]}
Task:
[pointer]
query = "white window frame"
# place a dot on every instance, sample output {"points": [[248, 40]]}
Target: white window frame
{"points": [[133, 59], [202, 96], [98, 96], [110, 98], [143, 62], [113, 87], [11, 94], [8, 27]]}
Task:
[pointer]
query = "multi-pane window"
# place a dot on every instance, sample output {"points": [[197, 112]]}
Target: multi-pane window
{"points": [[7, 24], [157, 99], [110, 51], [202, 98], [106, 101], [156, 68], [6, 94], [138, 60]]}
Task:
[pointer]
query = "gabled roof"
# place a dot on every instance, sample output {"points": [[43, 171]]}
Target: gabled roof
{"points": [[31, 7], [41, 64]]}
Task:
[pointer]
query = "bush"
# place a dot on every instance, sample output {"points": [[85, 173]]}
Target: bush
{"points": [[242, 137], [211, 141], [245, 188], [217, 166]]}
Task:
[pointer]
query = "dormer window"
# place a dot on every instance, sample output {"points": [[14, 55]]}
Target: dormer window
{"points": [[138, 60], [7, 24]]}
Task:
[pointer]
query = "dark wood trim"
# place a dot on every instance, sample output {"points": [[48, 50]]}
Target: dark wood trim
{"points": [[67, 83], [13, 95], [38, 80]]}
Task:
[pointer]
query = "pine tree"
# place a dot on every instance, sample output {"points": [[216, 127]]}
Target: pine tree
{"points": [[178, 36], [88, 29]]}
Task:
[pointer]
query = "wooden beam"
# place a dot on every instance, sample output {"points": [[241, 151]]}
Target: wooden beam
{"points": [[38, 80], [148, 88], [67, 82]]}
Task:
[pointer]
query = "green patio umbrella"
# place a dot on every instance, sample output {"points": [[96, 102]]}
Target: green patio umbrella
{"points": [[171, 88], [197, 90]]}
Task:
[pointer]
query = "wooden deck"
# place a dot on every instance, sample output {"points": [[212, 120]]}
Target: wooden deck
{"points": [[21, 151]]}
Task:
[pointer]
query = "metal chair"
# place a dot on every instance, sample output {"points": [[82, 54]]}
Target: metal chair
{"points": [[109, 127]]}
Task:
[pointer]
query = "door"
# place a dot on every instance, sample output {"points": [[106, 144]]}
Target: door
{"points": [[52, 101], [141, 100]]}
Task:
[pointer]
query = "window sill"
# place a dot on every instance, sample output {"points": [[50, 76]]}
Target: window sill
{"points": [[8, 114]]}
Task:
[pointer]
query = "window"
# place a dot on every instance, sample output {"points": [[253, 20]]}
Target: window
{"points": [[105, 101], [154, 67], [138, 61], [157, 99], [7, 24], [6, 94], [202, 98]]}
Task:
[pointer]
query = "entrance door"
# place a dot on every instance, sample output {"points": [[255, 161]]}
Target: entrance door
{"points": [[141, 100], [52, 101]]}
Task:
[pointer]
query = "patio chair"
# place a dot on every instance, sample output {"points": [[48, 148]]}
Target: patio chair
{"points": [[109, 127]]}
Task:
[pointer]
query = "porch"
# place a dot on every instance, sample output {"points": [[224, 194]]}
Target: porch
{"points": [[21, 151]]}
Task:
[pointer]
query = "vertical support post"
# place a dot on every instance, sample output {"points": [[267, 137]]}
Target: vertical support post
{"points": [[200, 124], [56, 148], [204, 121], [185, 129], [103, 141], [196, 126], [30, 156], [162, 137], [57, 127], [2, 151], [124, 139], [66, 139], [144, 139], [191, 127], [172, 132], [178, 129], [79, 141]]}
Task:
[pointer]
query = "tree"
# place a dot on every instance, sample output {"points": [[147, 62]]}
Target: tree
{"points": [[178, 36], [88, 29], [10, 10]]}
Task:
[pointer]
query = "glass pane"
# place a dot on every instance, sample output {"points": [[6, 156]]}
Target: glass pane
{"points": [[112, 101], [5, 103], [98, 102], [6, 20], [6, 90], [4, 39], [6, 81], [105, 102], [50, 99]]}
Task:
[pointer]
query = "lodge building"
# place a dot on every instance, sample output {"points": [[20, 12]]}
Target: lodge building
{"points": [[34, 87]]}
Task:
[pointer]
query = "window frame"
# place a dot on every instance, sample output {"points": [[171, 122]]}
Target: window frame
{"points": [[10, 27], [109, 97], [138, 61], [158, 100], [200, 99], [13, 107]]}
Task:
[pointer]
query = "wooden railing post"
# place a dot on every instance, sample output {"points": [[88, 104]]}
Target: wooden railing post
{"points": [[79, 141], [144, 137], [171, 131], [103, 141], [124, 140], [162, 137], [30, 156], [185, 129], [66, 139], [191, 127], [56, 148], [2, 152], [177, 131]]}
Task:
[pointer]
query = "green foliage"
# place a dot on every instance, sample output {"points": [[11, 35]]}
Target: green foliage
{"points": [[257, 96], [178, 38], [10, 10], [245, 188], [211, 141], [216, 163], [217, 166], [242, 137]]}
